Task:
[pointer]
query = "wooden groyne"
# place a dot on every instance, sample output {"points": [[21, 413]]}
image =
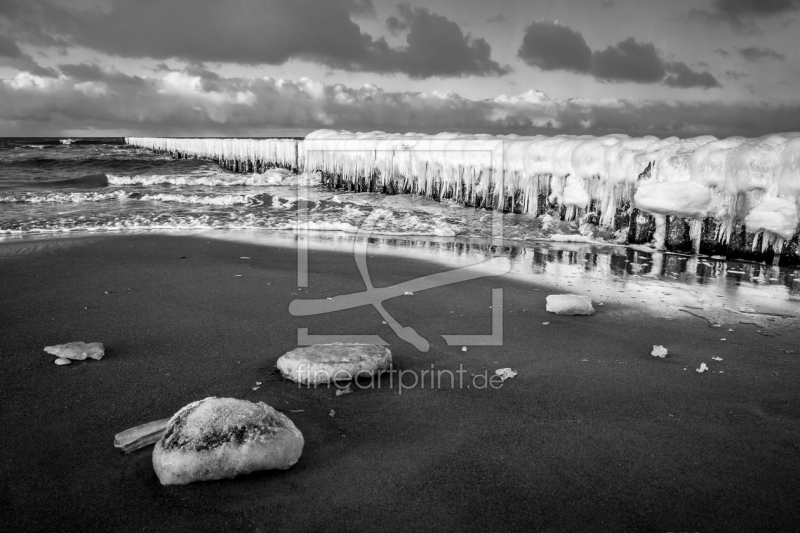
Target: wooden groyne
{"points": [[735, 198]]}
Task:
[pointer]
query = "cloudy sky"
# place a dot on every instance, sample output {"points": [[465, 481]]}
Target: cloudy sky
{"points": [[287, 67]]}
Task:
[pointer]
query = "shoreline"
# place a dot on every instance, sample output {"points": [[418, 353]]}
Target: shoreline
{"points": [[592, 434]]}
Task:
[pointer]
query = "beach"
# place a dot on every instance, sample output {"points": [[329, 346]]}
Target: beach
{"points": [[592, 434]]}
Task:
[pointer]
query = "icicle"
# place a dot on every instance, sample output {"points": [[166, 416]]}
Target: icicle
{"points": [[735, 180]]}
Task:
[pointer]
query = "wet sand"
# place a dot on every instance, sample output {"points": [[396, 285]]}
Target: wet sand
{"points": [[593, 434]]}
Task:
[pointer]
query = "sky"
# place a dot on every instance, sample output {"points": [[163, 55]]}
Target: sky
{"points": [[287, 67]]}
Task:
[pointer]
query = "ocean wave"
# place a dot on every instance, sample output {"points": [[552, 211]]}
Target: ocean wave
{"points": [[199, 199], [54, 198], [251, 220], [271, 177]]}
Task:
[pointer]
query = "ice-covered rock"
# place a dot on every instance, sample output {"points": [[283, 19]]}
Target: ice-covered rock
{"points": [[220, 438], [659, 351], [77, 351], [324, 363], [569, 304]]}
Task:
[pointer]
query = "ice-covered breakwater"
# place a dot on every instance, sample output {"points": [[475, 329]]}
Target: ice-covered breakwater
{"points": [[239, 155], [736, 197]]}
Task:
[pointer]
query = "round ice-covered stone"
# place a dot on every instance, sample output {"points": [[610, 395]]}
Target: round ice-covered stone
{"points": [[325, 363]]}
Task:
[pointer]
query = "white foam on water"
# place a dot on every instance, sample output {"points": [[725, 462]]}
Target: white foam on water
{"points": [[271, 177]]}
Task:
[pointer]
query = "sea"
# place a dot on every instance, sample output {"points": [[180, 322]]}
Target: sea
{"points": [[62, 187], [57, 186]]}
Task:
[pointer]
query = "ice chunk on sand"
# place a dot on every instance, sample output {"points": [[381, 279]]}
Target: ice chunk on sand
{"points": [[140, 436], [683, 199], [77, 351], [505, 373], [659, 351], [220, 438], [324, 363], [569, 304], [703, 368]]}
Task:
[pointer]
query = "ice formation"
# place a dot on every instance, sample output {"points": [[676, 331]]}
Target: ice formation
{"points": [[735, 181], [257, 153]]}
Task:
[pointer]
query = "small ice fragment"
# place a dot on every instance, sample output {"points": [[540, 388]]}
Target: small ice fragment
{"points": [[408, 293], [703, 368], [244, 257], [346, 390], [258, 383], [331, 299], [61, 361], [256, 388], [729, 329], [545, 323], [717, 358], [659, 351], [716, 325], [463, 348], [140, 436], [721, 371], [601, 303], [237, 275], [77, 351], [723, 339], [384, 322], [569, 304], [505, 373], [332, 413]]}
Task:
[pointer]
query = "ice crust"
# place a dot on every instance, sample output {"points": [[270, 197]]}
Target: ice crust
{"points": [[693, 178]]}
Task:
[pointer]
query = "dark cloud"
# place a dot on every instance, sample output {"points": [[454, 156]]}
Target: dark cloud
{"points": [[499, 18], [629, 60], [402, 21], [551, 46], [263, 32], [680, 75], [436, 46], [755, 54], [11, 55], [721, 52], [180, 102], [743, 14], [8, 48]]}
